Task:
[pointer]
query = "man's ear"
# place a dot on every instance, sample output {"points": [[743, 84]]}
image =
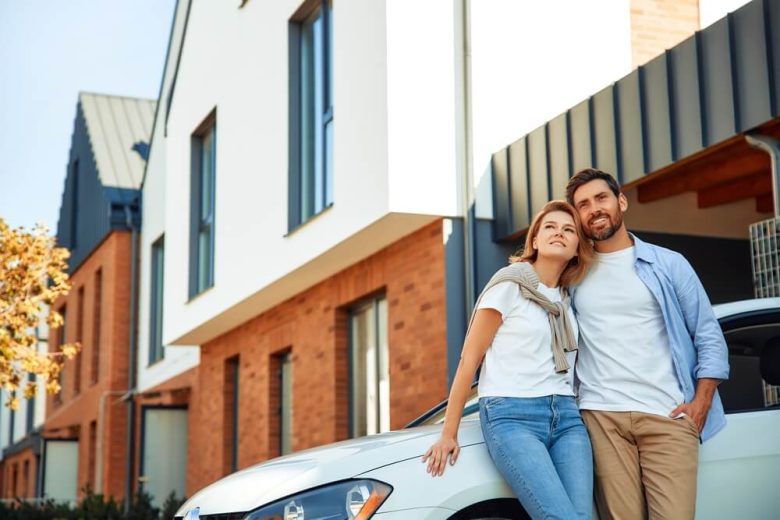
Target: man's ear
{"points": [[623, 202]]}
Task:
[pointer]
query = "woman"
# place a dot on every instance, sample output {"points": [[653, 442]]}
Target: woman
{"points": [[526, 332]]}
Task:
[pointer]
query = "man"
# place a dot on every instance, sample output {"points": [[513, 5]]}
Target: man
{"points": [[651, 356]]}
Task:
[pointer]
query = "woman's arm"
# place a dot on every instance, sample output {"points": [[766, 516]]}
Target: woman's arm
{"points": [[480, 336]]}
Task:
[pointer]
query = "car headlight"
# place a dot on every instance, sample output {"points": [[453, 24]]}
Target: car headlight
{"points": [[348, 500]]}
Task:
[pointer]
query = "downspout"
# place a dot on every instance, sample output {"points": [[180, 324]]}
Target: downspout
{"points": [[463, 9], [771, 146], [129, 396]]}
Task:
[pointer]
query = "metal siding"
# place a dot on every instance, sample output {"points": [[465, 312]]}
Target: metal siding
{"points": [[501, 206], [751, 66], [519, 208], [581, 143], [772, 25], [538, 174], [558, 149], [686, 98], [630, 134], [718, 91], [604, 133], [656, 109]]}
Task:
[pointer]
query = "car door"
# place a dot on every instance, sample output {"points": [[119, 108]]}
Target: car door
{"points": [[739, 469]]}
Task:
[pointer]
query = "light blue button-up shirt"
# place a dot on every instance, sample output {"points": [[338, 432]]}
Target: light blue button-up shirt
{"points": [[696, 340]]}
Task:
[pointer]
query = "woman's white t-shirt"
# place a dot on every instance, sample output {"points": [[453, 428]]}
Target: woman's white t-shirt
{"points": [[519, 362]]}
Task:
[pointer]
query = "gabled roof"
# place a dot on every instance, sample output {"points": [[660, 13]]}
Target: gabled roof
{"points": [[119, 129]]}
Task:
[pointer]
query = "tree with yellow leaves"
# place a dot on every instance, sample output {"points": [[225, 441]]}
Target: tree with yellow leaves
{"points": [[32, 277]]}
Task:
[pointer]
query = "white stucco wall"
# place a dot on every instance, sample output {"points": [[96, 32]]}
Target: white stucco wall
{"points": [[179, 358], [396, 133]]}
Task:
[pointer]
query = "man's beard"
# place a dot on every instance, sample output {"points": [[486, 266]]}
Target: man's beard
{"points": [[607, 232]]}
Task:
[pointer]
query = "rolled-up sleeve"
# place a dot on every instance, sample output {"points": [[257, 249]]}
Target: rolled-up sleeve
{"points": [[711, 350]]}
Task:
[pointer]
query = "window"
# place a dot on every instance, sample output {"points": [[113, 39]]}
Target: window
{"points": [[92, 454], [311, 111], [97, 302], [156, 351], [74, 168], [750, 340], [230, 416], [79, 338], [61, 339], [280, 426], [204, 160], [369, 368]]}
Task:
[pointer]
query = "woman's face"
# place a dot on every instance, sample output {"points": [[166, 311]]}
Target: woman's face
{"points": [[557, 237]]}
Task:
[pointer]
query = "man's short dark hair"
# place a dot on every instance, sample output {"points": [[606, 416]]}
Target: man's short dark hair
{"points": [[587, 175]]}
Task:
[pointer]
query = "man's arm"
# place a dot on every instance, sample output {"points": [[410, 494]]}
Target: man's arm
{"points": [[712, 364]]}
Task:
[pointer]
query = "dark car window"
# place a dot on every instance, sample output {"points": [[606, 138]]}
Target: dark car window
{"points": [[748, 337]]}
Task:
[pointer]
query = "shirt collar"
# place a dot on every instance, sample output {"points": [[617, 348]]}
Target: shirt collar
{"points": [[642, 250]]}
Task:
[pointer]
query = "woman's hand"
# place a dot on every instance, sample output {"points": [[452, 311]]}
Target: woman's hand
{"points": [[436, 456]]}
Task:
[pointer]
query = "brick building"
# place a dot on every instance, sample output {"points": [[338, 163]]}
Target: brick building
{"points": [[81, 442]]}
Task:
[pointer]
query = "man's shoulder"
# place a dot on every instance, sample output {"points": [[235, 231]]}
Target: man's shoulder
{"points": [[668, 258]]}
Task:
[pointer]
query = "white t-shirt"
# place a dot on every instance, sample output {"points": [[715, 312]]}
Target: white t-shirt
{"points": [[625, 362], [519, 362]]}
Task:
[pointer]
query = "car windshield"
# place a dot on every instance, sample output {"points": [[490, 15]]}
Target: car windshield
{"points": [[436, 415]]}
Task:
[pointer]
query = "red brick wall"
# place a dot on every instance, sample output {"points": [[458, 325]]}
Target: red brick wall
{"points": [[313, 324], [657, 25], [25, 478], [78, 409]]}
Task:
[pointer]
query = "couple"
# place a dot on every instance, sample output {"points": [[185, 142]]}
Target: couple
{"points": [[651, 357]]}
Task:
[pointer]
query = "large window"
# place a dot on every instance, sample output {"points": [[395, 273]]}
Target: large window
{"points": [[80, 339], [281, 403], [369, 368], [62, 338], [311, 111], [156, 351], [230, 416], [97, 301], [203, 180]]}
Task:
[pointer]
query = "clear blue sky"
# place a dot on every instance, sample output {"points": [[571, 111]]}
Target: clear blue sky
{"points": [[49, 51]]}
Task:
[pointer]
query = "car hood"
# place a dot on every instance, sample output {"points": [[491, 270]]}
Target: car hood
{"points": [[264, 483]]}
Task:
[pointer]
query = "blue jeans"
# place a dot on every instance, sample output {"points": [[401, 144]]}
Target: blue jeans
{"points": [[542, 449]]}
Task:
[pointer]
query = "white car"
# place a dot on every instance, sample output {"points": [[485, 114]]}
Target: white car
{"points": [[382, 476]]}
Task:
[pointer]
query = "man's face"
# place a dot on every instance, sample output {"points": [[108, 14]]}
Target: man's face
{"points": [[600, 210]]}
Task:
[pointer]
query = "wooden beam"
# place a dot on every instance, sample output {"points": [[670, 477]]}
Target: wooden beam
{"points": [[740, 189], [765, 203], [696, 177]]}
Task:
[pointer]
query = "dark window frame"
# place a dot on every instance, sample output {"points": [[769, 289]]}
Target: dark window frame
{"points": [[201, 223], [157, 293], [97, 300], [303, 203], [80, 297], [232, 369]]}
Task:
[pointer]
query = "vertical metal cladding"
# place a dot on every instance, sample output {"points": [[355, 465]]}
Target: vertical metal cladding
{"points": [[685, 84], [717, 85], [630, 135], [750, 65], [538, 164], [519, 192], [606, 144], [501, 207], [581, 142], [719, 82], [558, 153]]}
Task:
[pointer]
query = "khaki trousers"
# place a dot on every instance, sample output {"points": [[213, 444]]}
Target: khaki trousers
{"points": [[645, 465]]}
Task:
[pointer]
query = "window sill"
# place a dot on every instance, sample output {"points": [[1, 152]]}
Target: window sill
{"points": [[316, 216]]}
